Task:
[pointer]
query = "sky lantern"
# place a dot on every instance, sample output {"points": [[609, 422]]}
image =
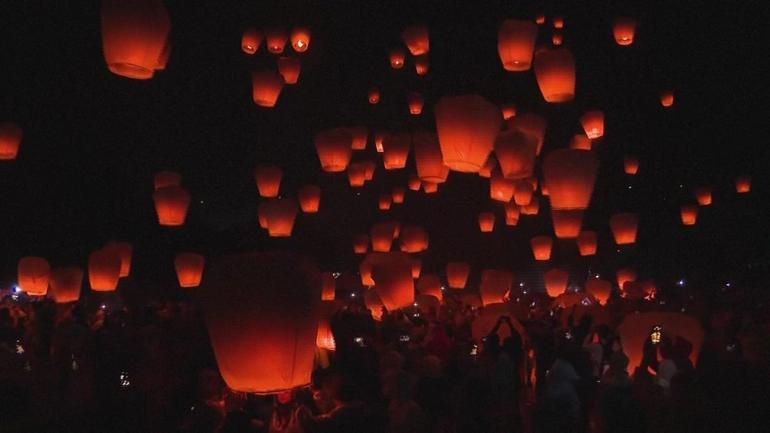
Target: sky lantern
{"points": [[398, 193], [171, 205], [636, 329], [558, 22], [262, 214], [300, 39], [532, 124], [430, 284], [289, 68], [189, 269], [415, 102], [373, 96], [631, 164], [414, 182], [369, 167], [703, 196], [593, 123], [508, 111], [540, 18], [486, 222], [522, 193], [416, 267], [599, 289], [328, 286], [103, 270], [334, 149], [580, 142], [280, 214], [467, 127], [567, 223], [421, 64], [10, 140], [124, 250], [309, 198], [356, 174], [373, 304], [266, 86], [556, 281], [325, 336], [457, 274], [413, 239], [486, 170], [275, 38], [33, 274], [65, 284], [689, 214], [416, 39], [361, 244], [382, 235], [495, 285], [570, 175], [516, 43], [259, 303], [512, 213], [134, 37], [385, 201], [515, 152], [541, 247], [623, 30], [533, 208], [625, 275], [624, 226], [360, 135], [392, 275], [379, 138], [396, 150], [268, 179], [667, 98], [429, 187], [251, 40], [500, 188], [557, 38], [163, 179], [587, 243], [427, 156], [555, 73], [397, 58], [742, 184]]}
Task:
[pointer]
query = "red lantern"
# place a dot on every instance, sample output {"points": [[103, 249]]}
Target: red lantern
{"points": [[421, 64], [515, 151], [556, 282], [328, 286], [369, 167], [359, 135], [533, 208], [486, 222], [523, 192], [415, 102], [356, 174], [541, 247], [65, 284], [531, 124], [373, 304], [416, 39], [334, 149], [396, 150], [289, 68], [624, 276], [189, 269], [392, 275], [124, 250], [268, 179], [667, 98], [397, 57], [398, 194], [742, 184], [703, 195], [413, 239], [490, 164], [430, 284], [300, 39], [623, 30], [558, 22], [309, 198], [557, 38], [379, 137], [280, 214], [414, 181], [251, 40], [103, 270], [266, 86], [10, 140], [374, 96], [275, 38], [429, 187], [689, 214], [624, 226], [570, 175], [555, 73], [457, 274], [500, 188], [636, 329], [540, 18], [427, 157], [467, 127], [361, 244], [262, 214], [495, 286], [385, 202], [587, 243], [580, 142], [516, 43], [416, 268], [508, 110], [631, 165], [163, 179], [511, 214], [171, 205], [488, 320], [593, 123], [599, 289], [567, 223], [382, 235], [33, 274]]}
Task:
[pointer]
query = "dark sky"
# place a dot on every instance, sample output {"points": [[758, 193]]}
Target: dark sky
{"points": [[92, 140]]}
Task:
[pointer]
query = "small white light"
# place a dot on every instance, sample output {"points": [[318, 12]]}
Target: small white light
{"points": [[680, 282], [353, 295], [201, 201], [16, 289], [521, 284]]}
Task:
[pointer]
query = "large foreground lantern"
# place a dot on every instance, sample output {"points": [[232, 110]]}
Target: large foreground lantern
{"points": [[280, 214], [624, 227], [392, 276], [135, 37], [457, 274], [124, 250], [689, 214], [309, 198], [65, 284], [541, 247], [334, 149], [268, 179], [637, 328], [625, 275], [487, 321], [495, 285], [416, 39], [570, 175], [555, 73], [103, 270], [599, 289], [33, 274], [430, 284], [515, 152], [623, 30], [593, 123], [556, 281], [587, 243], [10, 140], [266, 86], [516, 43], [251, 40], [171, 205], [262, 313], [189, 269], [467, 127], [427, 158]]}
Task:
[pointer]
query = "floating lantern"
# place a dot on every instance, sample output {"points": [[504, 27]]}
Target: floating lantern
{"points": [[373, 304], [275, 38], [689, 214], [637, 328], [515, 151], [334, 149], [580, 142], [555, 73], [532, 124], [428, 160], [103, 270], [421, 64], [414, 182], [567, 223], [703, 196], [558, 22], [631, 165], [624, 226], [488, 320], [540, 18], [309, 198], [369, 167], [289, 68], [189, 269], [486, 170], [374, 96], [557, 39], [457, 274], [486, 222], [500, 188], [742, 184], [33, 274], [382, 235], [396, 150], [533, 208], [392, 275], [599, 289], [511, 214], [667, 98], [360, 135], [541, 247], [251, 40], [430, 284], [300, 39], [570, 175], [356, 174], [385, 201], [268, 179], [522, 194], [416, 267], [397, 57], [66, 284], [280, 214], [398, 194], [10, 140], [416, 39], [556, 282], [624, 276], [163, 179], [124, 250], [587, 243], [467, 127], [623, 30], [593, 123], [328, 286], [495, 286], [429, 187], [171, 205], [516, 43], [415, 102], [266, 86], [361, 244], [508, 111]]}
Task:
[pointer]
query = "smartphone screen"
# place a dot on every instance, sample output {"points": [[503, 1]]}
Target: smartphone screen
{"points": [[655, 334]]}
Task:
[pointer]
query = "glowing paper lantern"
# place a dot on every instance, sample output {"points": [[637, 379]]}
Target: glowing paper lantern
{"points": [[631, 165], [415, 102], [467, 127], [334, 149], [490, 164], [416, 39], [280, 214], [262, 214], [541, 247], [689, 214], [356, 174], [163, 179], [587, 243], [33, 274], [134, 37], [251, 40], [65, 284], [10, 140], [558, 22], [555, 73], [266, 86], [413, 239], [429, 187], [457, 274], [623, 30], [515, 152], [324, 336], [742, 184], [522, 194], [385, 201], [557, 38], [511, 214], [421, 64], [275, 38], [428, 161], [328, 286], [189, 269], [667, 98], [373, 304], [300, 39], [533, 208], [430, 284], [516, 43], [268, 179], [398, 194], [580, 142], [124, 250], [416, 267], [636, 329], [624, 226], [379, 137], [289, 68], [625, 275], [570, 175], [500, 188], [486, 222], [567, 223], [359, 135], [593, 123], [171, 205], [397, 57], [414, 182], [260, 303], [532, 124], [361, 244], [369, 167], [495, 285], [373, 96], [382, 235], [396, 150], [103, 270], [540, 18], [309, 198], [392, 275], [556, 282], [508, 110], [599, 289], [703, 196]]}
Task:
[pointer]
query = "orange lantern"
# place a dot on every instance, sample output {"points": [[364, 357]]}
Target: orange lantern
{"points": [[300, 39], [369, 167], [667, 98], [65, 284], [570, 175], [10, 140], [429, 187], [421, 64], [280, 214], [416, 267], [637, 328], [457, 274], [397, 57], [385, 201], [557, 38], [522, 194], [593, 123], [251, 40], [392, 275], [325, 336], [703, 195], [515, 151], [631, 164], [511, 214], [624, 226], [328, 286], [124, 250], [540, 18], [379, 137], [533, 208], [567, 223], [189, 269], [516, 43], [103, 270], [587, 243], [171, 205], [275, 38], [486, 222], [430, 284], [689, 214], [623, 30], [163, 179], [396, 150], [541, 247], [266, 86], [416, 39], [558, 22], [33, 274], [259, 303], [334, 149], [625, 275], [742, 184], [508, 110], [531, 124], [134, 37], [359, 135], [495, 285], [262, 214], [580, 142], [427, 157], [415, 102], [599, 289], [361, 244], [356, 174], [309, 198], [490, 164], [382, 235], [289, 68], [398, 194], [374, 96], [414, 181], [556, 282], [555, 73], [268, 179], [413, 239], [500, 188], [373, 304], [467, 127]]}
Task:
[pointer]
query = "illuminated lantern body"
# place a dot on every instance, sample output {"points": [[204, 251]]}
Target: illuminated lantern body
{"points": [[511, 214], [625, 275], [429, 187], [379, 137], [587, 243], [416, 39], [397, 57], [580, 142], [260, 303], [189, 269], [251, 40], [134, 36], [289, 68], [414, 183], [369, 167], [396, 150], [599, 289], [374, 304], [556, 282], [359, 135], [531, 124], [413, 239], [742, 184], [558, 22], [515, 152], [457, 274], [171, 205], [334, 149], [361, 244], [266, 87], [328, 286], [486, 170], [516, 43], [703, 195], [593, 123], [163, 179], [324, 336], [392, 275], [309, 198], [567, 223], [467, 127], [262, 214], [636, 329], [570, 175], [427, 158], [416, 268], [384, 202], [280, 214], [374, 96], [623, 30], [541, 247], [124, 250], [382, 235], [624, 226], [495, 285], [103, 270], [540, 18], [555, 73], [523, 192], [300, 39], [500, 188], [275, 38], [667, 98], [398, 194], [557, 38], [268, 178], [689, 214], [486, 222], [415, 102], [356, 174], [10, 140], [65, 284], [631, 165], [421, 64], [430, 284], [508, 110], [33, 274], [533, 208]]}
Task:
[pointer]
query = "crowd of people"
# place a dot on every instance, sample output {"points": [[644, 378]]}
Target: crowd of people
{"points": [[71, 368]]}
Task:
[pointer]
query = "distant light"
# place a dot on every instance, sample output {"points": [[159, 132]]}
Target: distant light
{"points": [[336, 275], [597, 276], [201, 201], [618, 250], [16, 289], [443, 288], [681, 186], [681, 282], [353, 295], [630, 187], [728, 284], [521, 284], [525, 291], [415, 304]]}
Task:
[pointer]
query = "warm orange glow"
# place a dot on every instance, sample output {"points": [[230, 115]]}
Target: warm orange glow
{"points": [[10, 140], [324, 336], [556, 282], [356, 174], [124, 250], [512, 213], [742, 184], [328, 286], [541, 247], [457, 274], [667, 98], [66, 284], [557, 39], [703, 196], [416, 267], [382, 235], [624, 226], [593, 123], [532, 124], [266, 86], [384, 202], [580, 142], [289, 68], [33, 274], [414, 182], [171, 205], [251, 40], [555, 73], [486, 170], [495, 285], [421, 64], [636, 328], [428, 161], [558, 22], [374, 304], [486, 321], [570, 175], [262, 214], [508, 111], [392, 275], [599, 289], [486, 222], [625, 275], [300, 39], [415, 102], [540, 18], [369, 167], [416, 39], [309, 198], [163, 179], [567, 223], [189, 269], [373, 96], [280, 214], [398, 194], [500, 188], [516, 43], [396, 150], [268, 179], [515, 152], [623, 30], [103, 270], [275, 38], [334, 149], [361, 244], [397, 57], [467, 127], [430, 284], [631, 164], [587, 243], [689, 214], [533, 208], [429, 187], [360, 135], [523, 192]]}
